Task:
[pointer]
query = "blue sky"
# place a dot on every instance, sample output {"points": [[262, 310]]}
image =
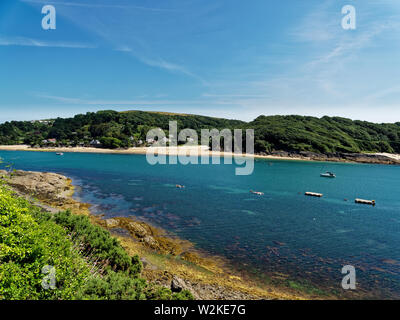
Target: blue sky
{"points": [[234, 58]]}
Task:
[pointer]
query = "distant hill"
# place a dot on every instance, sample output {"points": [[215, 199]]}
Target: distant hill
{"points": [[324, 135], [288, 133]]}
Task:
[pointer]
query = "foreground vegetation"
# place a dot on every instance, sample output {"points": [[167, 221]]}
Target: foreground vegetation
{"points": [[88, 262], [111, 129]]}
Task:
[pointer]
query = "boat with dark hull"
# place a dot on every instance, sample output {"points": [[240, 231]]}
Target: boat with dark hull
{"points": [[328, 175]]}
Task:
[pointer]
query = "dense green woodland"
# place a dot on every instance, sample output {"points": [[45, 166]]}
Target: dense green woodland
{"points": [[288, 133]]}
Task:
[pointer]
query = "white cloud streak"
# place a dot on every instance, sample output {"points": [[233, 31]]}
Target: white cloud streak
{"points": [[69, 100], [28, 42], [91, 5], [141, 52]]}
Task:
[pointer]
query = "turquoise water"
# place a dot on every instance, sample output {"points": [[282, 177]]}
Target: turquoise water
{"points": [[283, 231]]}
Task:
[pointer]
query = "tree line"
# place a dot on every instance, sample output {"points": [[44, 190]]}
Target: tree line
{"points": [[293, 133]]}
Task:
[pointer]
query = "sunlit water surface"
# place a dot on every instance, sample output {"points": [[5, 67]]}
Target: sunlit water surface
{"points": [[281, 235]]}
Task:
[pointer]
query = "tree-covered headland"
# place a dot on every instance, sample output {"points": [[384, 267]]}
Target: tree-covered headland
{"points": [[111, 129]]}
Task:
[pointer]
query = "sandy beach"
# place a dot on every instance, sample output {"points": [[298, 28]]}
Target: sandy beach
{"points": [[390, 155], [375, 158], [181, 150]]}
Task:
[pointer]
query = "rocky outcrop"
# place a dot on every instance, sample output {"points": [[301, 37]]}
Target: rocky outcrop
{"points": [[178, 284], [207, 291], [338, 157], [43, 185], [52, 189], [148, 235]]}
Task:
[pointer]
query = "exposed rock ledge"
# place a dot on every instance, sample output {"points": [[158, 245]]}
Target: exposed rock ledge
{"points": [[50, 191], [373, 158]]}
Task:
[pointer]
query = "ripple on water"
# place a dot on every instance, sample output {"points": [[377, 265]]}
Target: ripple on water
{"points": [[249, 212], [228, 189]]}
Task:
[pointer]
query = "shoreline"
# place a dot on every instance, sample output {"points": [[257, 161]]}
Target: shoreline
{"points": [[371, 158], [165, 257]]}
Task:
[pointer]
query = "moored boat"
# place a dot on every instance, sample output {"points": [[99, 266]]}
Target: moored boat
{"points": [[363, 201], [313, 194], [328, 175], [257, 193]]}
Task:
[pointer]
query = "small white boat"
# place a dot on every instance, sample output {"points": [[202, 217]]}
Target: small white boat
{"points": [[313, 194], [59, 154], [328, 175], [362, 201], [257, 193]]}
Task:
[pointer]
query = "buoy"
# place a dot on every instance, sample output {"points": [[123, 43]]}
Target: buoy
{"points": [[362, 201], [314, 194]]}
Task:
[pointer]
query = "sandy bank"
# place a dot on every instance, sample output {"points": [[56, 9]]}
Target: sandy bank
{"points": [[390, 155], [373, 158]]}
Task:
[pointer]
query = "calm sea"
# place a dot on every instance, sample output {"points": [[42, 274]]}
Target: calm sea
{"points": [[281, 236]]}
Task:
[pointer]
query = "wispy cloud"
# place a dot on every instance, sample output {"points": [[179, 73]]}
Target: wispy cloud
{"points": [[235, 96], [350, 45], [128, 41], [333, 50], [92, 5], [383, 93], [80, 101], [158, 62], [169, 66], [28, 42], [317, 26]]}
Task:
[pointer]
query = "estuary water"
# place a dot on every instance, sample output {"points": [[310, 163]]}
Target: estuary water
{"points": [[282, 236]]}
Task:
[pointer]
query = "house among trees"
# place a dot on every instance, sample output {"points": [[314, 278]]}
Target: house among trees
{"points": [[49, 141], [95, 143]]}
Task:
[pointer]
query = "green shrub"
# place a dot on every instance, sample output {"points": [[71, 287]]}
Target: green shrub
{"points": [[26, 246], [99, 242], [31, 239], [114, 286], [162, 293]]}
